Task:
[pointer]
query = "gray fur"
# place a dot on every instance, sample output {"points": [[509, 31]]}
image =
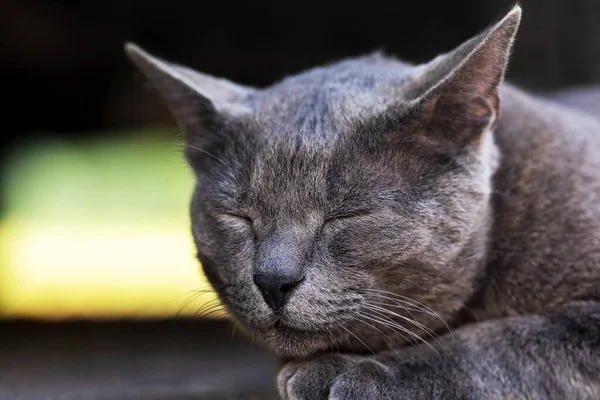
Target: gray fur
{"points": [[416, 200]]}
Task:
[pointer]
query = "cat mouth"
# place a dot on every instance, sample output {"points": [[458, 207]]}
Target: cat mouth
{"points": [[281, 327]]}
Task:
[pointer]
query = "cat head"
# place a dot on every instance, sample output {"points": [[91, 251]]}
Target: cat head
{"points": [[348, 205]]}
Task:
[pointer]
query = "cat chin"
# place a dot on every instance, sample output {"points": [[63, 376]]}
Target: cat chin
{"points": [[289, 342]]}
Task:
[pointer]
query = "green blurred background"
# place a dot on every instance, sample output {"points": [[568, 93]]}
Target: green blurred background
{"points": [[98, 228]]}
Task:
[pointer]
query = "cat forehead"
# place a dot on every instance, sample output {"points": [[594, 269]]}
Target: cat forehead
{"points": [[326, 101]]}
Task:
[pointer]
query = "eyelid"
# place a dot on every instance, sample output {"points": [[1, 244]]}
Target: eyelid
{"points": [[238, 216], [347, 215]]}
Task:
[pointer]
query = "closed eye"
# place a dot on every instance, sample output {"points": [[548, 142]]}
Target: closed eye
{"points": [[237, 217], [345, 216]]}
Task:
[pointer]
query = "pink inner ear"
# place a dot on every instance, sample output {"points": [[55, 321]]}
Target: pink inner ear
{"points": [[486, 107], [481, 108]]}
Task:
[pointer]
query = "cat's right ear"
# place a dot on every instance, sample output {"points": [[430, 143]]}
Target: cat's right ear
{"points": [[457, 93], [196, 100]]}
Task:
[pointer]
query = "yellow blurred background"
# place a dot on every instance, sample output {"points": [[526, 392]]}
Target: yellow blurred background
{"points": [[99, 229]]}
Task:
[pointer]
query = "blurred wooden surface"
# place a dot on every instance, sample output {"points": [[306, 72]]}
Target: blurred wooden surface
{"points": [[157, 360]]}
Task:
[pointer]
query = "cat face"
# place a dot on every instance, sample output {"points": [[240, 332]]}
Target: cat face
{"points": [[346, 207], [347, 221]]}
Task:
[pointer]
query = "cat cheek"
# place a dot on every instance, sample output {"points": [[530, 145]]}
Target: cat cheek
{"points": [[242, 238]]}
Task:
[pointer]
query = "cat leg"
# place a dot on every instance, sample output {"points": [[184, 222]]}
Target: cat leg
{"points": [[550, 356]]}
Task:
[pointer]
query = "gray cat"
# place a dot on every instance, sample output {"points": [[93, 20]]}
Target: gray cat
{"points": [[400, 231]]}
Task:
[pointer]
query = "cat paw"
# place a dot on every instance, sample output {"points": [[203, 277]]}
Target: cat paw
{"points": [[336, 377]]}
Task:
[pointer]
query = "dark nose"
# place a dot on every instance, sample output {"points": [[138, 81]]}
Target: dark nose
{"points": [[276, 289]]}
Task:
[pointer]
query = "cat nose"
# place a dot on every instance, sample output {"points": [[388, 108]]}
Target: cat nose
{"points": [[276, 288]]}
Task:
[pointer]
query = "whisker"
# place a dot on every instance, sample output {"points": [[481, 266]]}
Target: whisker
{"points": [[194, 291], [333, 338], [206, 308], [203, 151], [407, 309], [433, 335], [212, 302], [415, 302], [209, 303], [216, 310], [377, 329], [350, 332], [233, 331], [404, 329], [402, 299], [413, 321], [390, 323], [187, 145], [401, 303], [191, 299]]}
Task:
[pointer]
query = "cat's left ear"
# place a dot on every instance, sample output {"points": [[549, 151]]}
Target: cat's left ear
{"points": [[457, 93], [195, 99], [199, 103]]}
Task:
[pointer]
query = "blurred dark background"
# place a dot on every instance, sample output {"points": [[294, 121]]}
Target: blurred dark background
{"points": [[63, 74], [63, 70]]}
